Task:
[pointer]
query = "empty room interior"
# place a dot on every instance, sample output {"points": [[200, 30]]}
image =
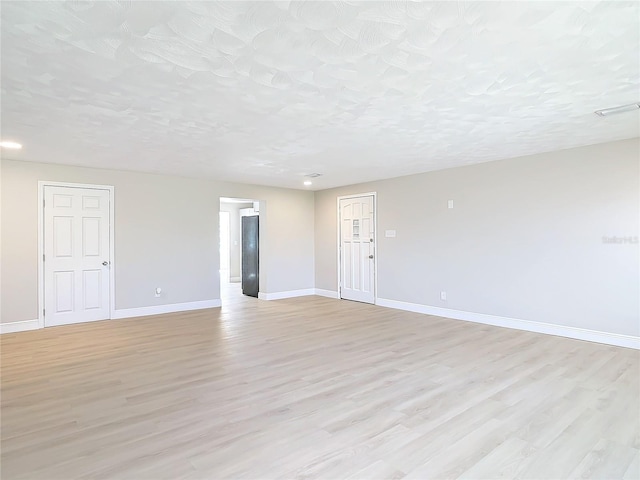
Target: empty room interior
{"points": [[319, 239]]}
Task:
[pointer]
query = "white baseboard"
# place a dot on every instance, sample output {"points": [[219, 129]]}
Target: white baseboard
{"points": [[24, 325], [234, 279], [170, 308], [616, 339], [288, 294], [326, 293], [21, 326]]}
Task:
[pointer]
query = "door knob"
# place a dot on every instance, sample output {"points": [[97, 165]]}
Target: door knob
{"points": [[105, 263], [370, 256]]}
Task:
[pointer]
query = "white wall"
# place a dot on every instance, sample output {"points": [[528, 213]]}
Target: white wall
{"points": [[524, 240], [166, 235]]}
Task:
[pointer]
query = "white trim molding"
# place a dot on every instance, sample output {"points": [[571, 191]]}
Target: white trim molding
{"points": [[597, 336], [21, 326], [168, 308], [326, 293], [288, 294], [24, 325], [234, 279]]}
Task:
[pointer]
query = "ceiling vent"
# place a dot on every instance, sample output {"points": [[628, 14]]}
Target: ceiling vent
{"points": [[313, 175], [615, 110]]}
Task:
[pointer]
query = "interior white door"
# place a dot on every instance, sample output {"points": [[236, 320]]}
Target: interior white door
{"points": [[76, 255], [357, 249]]}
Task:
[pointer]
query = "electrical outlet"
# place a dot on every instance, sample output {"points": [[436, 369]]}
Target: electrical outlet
{"points": [[443, 296], [158, 291]]}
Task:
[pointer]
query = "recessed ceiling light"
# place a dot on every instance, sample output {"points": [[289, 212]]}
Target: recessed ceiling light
{"points": [[615, 110], [14, 145], [308, 182]]}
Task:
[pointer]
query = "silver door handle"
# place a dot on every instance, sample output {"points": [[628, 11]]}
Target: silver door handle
{"points": [[105, 263], [370, 256]]}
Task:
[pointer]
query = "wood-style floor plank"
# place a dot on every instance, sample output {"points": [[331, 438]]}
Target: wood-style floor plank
{"points": [[314, 388]]}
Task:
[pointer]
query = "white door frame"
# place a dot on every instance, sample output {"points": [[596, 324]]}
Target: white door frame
{"points": [[112, 283], [375, 241], [224, 252]]}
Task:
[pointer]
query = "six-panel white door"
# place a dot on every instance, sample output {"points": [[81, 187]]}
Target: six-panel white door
{"points": [[357, 248], [76, 255]]}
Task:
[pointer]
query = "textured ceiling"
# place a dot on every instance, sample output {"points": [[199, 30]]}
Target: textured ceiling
{"points": [[265, 92]]}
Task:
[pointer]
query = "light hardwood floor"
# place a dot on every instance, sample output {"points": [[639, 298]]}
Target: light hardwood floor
{"points": [[314, 388]]}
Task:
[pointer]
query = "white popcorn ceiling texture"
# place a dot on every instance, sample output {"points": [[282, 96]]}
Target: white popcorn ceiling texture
{"points": [[265, 92]]}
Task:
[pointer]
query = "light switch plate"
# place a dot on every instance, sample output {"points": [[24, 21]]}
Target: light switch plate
{"points": [[390, 233]]}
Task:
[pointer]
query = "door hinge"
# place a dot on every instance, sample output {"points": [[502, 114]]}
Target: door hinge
{"points": [[43, 310], [43, 257]]}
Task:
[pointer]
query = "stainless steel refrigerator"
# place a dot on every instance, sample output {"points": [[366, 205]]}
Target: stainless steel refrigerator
{"points": [[250, 256]]}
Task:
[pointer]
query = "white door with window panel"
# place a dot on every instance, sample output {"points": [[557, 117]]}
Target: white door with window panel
{"points": [[357, 248], [76, 255]]}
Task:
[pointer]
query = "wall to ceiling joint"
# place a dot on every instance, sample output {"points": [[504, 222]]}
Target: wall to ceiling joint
{"points": [[166, 235], [549, 238]]}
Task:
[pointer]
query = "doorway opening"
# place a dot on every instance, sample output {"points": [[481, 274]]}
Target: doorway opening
{"points": [[225, 254], [239, 249]]}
